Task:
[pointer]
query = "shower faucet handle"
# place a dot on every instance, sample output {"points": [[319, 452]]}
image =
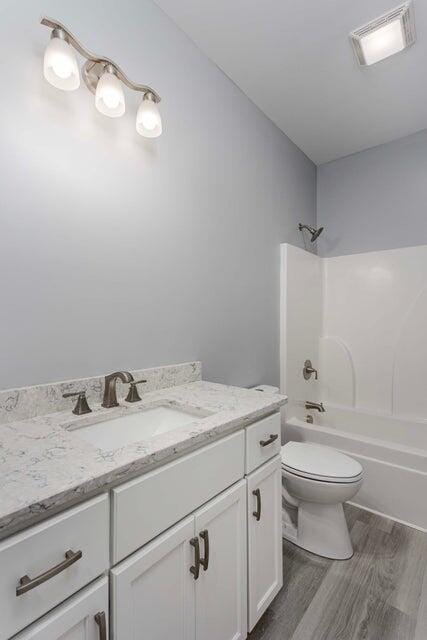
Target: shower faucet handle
{"points": [[308, 370]]}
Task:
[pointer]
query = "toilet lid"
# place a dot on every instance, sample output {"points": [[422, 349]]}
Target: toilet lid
{"points": [[319, 462]]}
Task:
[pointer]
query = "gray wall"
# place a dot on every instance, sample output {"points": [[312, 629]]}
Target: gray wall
{"points": [[375, 199], [120, 252]]}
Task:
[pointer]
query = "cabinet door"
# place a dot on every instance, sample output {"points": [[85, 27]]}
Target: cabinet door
{"points": [[82, 617], [265, 570], [221, 592], [153, 590]]}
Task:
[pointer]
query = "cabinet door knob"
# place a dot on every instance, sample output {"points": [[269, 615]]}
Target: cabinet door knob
{"points": [[273, 437], [26, 583], [195, 570], [205, 560], [101, 621], [257, 513]]}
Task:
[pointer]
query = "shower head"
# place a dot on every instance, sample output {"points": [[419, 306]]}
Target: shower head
{"points": [[315, 233]]}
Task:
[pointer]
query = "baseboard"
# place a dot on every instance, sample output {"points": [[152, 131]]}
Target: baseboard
{"points": [[385, 515]]}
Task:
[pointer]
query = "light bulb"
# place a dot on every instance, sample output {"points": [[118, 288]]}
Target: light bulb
{"points": [[109, 98], [60, 65], [148, 118]]}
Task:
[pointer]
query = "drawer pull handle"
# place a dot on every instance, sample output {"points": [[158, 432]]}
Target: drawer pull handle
{"points": [[101, 621], [257, 513], [26, 583], [195, 570], [205, 537], [273, 437]]}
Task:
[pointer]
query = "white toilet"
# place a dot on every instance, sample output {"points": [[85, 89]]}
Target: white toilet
{"points": [[316, 481]]}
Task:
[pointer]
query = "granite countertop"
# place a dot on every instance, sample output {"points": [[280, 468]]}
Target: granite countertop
{"points": [[45, 466]]}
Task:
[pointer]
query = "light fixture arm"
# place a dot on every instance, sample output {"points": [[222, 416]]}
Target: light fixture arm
{"points": [[95, 64]]}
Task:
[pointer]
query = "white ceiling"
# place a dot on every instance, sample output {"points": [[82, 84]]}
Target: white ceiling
{"points": [[293, 58]]}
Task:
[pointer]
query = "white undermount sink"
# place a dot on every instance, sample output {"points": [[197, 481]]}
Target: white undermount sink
{"points": [[118, 432]]}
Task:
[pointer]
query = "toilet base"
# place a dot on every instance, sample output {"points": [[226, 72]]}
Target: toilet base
{"points": [[321, 529]]}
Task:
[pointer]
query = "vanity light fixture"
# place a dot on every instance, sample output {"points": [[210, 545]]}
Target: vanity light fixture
{"points": [[384, 36], [102, 76]]}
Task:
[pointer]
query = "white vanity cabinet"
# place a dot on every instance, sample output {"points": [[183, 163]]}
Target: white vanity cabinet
{"points": [[193, 549], [82, 617], [190, 582], [265, 573]]}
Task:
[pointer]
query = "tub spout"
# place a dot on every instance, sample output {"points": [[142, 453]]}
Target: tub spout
{"points": [[318, 406]]}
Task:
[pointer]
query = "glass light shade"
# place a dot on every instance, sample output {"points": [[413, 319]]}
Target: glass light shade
{"points": [[60, 65], [109, 97], [148, 119]]}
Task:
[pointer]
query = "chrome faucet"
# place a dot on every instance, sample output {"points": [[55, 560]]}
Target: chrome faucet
{"points": [[110, 391], [315, 405]]}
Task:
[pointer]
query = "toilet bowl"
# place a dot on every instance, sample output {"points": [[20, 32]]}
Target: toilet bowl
{"points": [[316, 480]]}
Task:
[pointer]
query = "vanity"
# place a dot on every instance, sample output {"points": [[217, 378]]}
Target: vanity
{"points": [[178, 538]]}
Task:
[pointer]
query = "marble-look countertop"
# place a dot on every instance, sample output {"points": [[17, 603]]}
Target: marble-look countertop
{"points": [[45, 466]]}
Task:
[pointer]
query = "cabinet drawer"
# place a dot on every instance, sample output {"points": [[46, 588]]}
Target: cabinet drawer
{"points": [[70, 550], [79, 618], [262, 441], [145, 507]]}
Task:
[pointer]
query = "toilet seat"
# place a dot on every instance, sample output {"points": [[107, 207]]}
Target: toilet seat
{"points": [[318, 462]]}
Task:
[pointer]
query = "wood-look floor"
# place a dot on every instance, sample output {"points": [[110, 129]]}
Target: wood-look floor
{"points": [[380, 594]]}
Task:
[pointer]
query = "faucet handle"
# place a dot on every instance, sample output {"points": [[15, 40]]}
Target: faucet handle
{"points": [[82, 406], [308, 370], [133, 395]]}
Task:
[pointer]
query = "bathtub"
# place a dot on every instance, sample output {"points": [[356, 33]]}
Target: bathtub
{"points": [[392, 451]]}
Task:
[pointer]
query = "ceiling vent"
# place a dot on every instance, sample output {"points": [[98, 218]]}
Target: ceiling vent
{"points": [[384, 36]]}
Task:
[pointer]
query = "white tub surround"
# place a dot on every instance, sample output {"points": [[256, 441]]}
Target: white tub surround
{"points": [[361, 320], [45, 466]]}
